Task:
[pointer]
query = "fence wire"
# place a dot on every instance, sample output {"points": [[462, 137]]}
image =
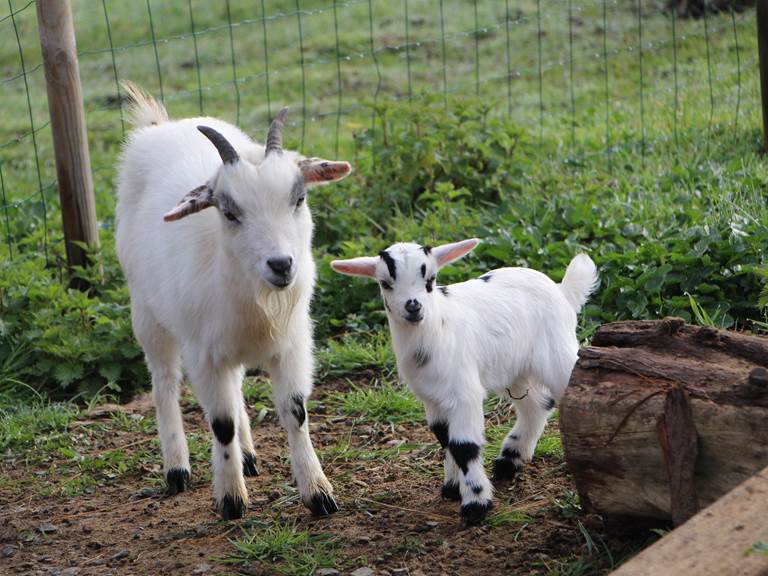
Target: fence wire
{"points": [[551, 66]]}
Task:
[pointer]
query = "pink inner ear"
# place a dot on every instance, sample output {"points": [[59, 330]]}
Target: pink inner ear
{"points": [[325, 171], [356, 267], [450, 252]]}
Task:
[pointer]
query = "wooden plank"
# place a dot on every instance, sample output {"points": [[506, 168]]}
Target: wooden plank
{"points": [[720, 540], [70, 138]]}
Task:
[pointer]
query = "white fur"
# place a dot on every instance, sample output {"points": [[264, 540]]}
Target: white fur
{"points": [[514, 334], [201, 291]]}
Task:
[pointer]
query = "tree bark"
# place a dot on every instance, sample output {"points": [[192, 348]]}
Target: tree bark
{"points": [[662, 418]]}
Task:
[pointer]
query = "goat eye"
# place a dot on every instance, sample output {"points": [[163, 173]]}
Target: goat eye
{"points": [[386, 285], [430, 284], [300, 201], [231, 217]]}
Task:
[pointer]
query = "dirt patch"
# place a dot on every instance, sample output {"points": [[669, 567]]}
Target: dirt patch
{"points": [[387, 480]]}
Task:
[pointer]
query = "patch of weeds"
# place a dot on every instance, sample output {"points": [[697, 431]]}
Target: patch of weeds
{"points": [[38, 426], [379, 402], [505, 517], [410, 547], [550, 446], [344, 451], [760, 548], [352, 354], [568, 505], [283, 548]]}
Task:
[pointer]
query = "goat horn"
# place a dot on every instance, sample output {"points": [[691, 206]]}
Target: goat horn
{"points": [[226, 151], [275, 134]]}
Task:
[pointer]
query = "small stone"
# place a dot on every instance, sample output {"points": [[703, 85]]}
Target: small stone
{"points": [[7, 551], [399, 571], [202, 569], [362, 571], [120, 555], [432, 524], [47, 528], [74, 571], [326, 572]]}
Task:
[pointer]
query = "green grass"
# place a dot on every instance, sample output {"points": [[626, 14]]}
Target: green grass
{"points": [[380, 401], [284, 548]]}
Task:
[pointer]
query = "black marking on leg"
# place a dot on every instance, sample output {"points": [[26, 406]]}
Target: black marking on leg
{"points": [[421, 357], [226, 455], [511, 453], [223, 429], [322, 504], [475, 488], [474, 512], [486, 277], [547, 403], [505, 468], [231, 507], [298, 410], [443, 289], [390, 262], [463, 453], [177, 479], [249, 464], [440, 430], [450, 491]]}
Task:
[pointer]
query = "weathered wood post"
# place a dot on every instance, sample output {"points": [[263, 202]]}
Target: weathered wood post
{"points": [[70, 138], [762, 43]]}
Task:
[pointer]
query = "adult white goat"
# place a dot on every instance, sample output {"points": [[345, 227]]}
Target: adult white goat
{"points": [[512, 331], [221, 289]]}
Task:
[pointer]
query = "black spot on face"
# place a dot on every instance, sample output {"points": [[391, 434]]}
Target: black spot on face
{"points": [[463, 453], [223, 429], [443, 289], [421, 357], [427, 250], [390, 262], [423, 270], [430, 284], [440, 430], [486, 277], [298, 410]]}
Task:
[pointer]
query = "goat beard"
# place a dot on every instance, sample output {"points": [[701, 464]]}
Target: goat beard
{"points": [[278, 307]]}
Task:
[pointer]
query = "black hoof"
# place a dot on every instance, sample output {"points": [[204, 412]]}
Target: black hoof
{"points": [[450, 491], [474, 512], [231, 507], [177, 479], [249, 464], [323, 504], [506, 468]]}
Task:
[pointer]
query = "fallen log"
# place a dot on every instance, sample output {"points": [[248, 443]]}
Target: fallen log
{"points": [[728, 537], [662, 418]]}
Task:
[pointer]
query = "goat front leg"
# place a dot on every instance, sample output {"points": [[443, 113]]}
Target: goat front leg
{"points": [[438, 423], [466, 438], [246, 443], [218, 390], [291, 386]]}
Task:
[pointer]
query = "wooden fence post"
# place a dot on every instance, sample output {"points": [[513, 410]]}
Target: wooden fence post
{"points": [[70, 137], [762, 42]]}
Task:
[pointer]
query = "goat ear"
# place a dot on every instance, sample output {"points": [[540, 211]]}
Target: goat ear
{"points": [[198, 199], [364, 266], [448, 253], [318, 171]]}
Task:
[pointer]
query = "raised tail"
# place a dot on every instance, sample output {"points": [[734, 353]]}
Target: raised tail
{"points": [[580, 281], [143, 110]]}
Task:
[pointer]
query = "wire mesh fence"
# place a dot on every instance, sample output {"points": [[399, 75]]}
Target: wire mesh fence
{"points": [[594, 77]]}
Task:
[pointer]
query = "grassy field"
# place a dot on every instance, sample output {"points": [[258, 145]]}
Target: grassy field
{"points": [[455, 129]]}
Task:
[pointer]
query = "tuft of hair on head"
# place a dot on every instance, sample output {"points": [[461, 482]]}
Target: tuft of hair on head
{"points": [[143, 109]]}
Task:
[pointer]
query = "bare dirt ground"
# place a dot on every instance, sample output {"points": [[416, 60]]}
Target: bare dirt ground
{"points": [[387, 480]]}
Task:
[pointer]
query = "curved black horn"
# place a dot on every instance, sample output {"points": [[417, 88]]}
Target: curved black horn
{"points": [[226, 151], [275, 134]]}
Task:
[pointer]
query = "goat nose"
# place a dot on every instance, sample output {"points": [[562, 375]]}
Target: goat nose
{"points": [[413, 306], [280, 266]]}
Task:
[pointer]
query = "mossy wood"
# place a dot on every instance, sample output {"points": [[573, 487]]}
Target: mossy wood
{"points": [[662, 418]]}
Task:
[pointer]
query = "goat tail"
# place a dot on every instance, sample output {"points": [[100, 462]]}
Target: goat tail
{"points": [[580, 281], [143, 109]]}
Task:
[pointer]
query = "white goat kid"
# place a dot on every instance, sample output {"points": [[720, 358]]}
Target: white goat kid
{"points": [[221, 289], [511, 331]]}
